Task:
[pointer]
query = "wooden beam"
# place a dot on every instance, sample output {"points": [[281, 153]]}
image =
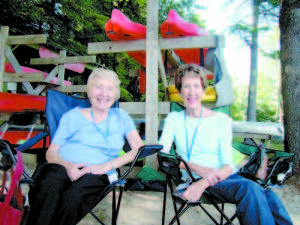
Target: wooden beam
{"points": [[15, 64], [135, 72], [65, 60], [119, 46], [139, 108], [3, 41], [50, 76], [23, 77], [73, 88], [163, 43], [61, 68], [162, 69], [173, 59], [27, 39], [152, 50]]}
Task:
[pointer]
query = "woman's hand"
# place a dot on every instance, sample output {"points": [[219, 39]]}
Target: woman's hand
{"points": [[194, 191], [96, 169], [213, 176], [74, 171]]}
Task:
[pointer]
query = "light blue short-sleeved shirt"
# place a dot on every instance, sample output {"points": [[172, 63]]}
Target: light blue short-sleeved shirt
{"points": [[81, 141]]}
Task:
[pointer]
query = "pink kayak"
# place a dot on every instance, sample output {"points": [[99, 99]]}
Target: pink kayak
{"points": [[46, 53], [120, 28], [9, 69], [175, 27]]}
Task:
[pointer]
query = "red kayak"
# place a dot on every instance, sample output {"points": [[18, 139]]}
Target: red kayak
{"points": [[10, 103], [18, 137], [175, 27], [120, 28], [9, 69]]}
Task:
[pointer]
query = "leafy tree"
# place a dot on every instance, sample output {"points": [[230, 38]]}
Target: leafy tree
{"points": [[290, 58]]}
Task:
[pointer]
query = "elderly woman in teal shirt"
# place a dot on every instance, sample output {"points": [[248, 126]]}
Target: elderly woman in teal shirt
{"points": [[84, 154]]}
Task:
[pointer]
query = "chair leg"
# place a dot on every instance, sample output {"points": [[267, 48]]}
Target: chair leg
{"points": [[208, 214], [113, 216], [174, 203], [164, 203], [180, 212], [119, 202], [229, 221], [96, 217], [221, 221]]}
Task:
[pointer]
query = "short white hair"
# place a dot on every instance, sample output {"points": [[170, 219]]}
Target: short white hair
{"points": [[102, 73]]}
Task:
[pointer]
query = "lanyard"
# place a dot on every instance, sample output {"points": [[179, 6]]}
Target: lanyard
{"points": [[100, 131], [189, 150]]}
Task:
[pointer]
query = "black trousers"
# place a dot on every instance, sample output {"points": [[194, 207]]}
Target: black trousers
{"points": [[54, 199]]}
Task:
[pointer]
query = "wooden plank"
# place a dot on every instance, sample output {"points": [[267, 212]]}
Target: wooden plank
{"points": [[65, 60], [163, 43], [152, 50], [27, 39], [188, 42], [173, 59], [50, 76], [61, 68], [72, 88], [23, 77], [139, 108], [120, 46], [15, 64], [135, 72], [162, 69], [3, 40]]}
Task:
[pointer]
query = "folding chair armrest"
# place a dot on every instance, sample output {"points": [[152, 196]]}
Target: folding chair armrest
{"points": [[32, 141], [144, 151], [169, 163]]}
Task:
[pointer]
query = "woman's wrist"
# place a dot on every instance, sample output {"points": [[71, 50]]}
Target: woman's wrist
{"points": [[112, 165]]}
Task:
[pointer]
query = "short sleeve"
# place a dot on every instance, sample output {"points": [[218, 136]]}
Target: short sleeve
{"points": [[128, 124], [167, 136], [226, 141], [64, 131]]}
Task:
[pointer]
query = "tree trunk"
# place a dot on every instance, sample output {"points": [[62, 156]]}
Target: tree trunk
{"points": [[290, 64], [251, 110]]}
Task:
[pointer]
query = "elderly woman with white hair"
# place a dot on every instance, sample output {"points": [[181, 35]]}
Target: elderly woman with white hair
{"points": [[84, 154]]}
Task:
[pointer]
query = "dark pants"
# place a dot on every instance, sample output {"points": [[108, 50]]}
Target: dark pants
{"points": [[55, 199]]}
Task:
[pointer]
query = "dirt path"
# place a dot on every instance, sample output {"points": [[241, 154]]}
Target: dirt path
{"points": [[145, 208]]}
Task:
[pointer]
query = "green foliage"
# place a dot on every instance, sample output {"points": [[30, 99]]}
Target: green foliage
{"points": [[238, 108], [185, 8], [267, 100]]}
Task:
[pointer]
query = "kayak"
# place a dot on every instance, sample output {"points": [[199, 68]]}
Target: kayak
{"points": [[121, 28], [175, 27], [9, 69], [46, 53], [19, 137], [10, 103]]}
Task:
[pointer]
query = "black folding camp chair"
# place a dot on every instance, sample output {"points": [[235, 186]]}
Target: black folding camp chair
{"points": [[278, 166], [57, 104]]}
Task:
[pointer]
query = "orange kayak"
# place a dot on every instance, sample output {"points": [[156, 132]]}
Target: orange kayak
{"points": [[10, 103]]}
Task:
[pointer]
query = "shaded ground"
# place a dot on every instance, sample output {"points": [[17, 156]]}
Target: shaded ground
{"points": [[146, 208]]}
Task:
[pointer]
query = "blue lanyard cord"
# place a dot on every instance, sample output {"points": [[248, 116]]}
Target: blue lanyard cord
{"points": [[100, 131], [189, 150]]}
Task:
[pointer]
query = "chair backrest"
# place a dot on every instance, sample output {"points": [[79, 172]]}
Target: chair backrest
{"points": [[59, 103]]}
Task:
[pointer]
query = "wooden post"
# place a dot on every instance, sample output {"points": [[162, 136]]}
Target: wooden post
{"points": [[152, 77], [61, 69], [3, 41]]}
